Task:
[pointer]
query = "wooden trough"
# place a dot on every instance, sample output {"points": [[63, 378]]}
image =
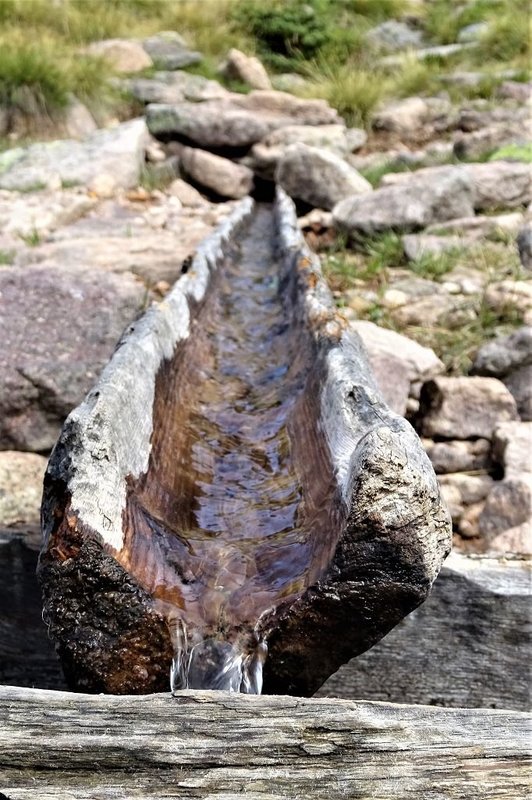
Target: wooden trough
{"points": [[235, 486]]}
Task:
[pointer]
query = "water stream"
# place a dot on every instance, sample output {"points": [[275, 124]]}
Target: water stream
{"points": [[234, 516]]}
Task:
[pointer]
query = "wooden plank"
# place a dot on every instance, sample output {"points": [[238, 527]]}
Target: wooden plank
{"points": [[219, 745], [468, 645]]}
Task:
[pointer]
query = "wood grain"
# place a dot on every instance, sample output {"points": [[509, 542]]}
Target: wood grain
{"points": [[217, 745]]}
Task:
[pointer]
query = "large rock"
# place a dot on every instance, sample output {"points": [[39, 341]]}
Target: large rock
{"points": [[503, 355], [506, 518], [397, 362], [417, 245], [173, 87], [58, 327], [497, 184], [318, 177], [480, 226], [423, 201], [512, 447], [519, 383], [218, 174], [168, 50], [464, 408], [524, 245], [265, 155], [402, 116], [112, 156], [459, 456], [478, 143], [36, 214], [237, 121], [21, 477], [247, 69], [124, 55]]}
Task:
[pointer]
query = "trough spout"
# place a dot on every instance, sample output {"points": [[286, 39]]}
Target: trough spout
{"points": [[233, 504]]}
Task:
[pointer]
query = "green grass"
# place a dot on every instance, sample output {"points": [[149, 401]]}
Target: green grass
{"points": [[32, 239], [515, 152], [6, 257], [354, 92]]}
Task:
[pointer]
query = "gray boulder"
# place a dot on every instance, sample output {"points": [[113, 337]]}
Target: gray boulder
{"points": [[524, 245], [168, 50], [247, 69], [409, 207], [393, 35], [43, 372], [318, 177], [459, 456], [477, 143], [504, 354], [519, 384], [124, 55], [173, 87], [21, 477], [238, 120], [265, 155], [112, 157], [464, 408], [220, 175]]}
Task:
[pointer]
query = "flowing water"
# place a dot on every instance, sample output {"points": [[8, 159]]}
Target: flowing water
{"points": [[233, 517]]}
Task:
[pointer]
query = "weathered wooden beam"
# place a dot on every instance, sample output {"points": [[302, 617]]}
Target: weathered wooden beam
{"points": [[470, 644], [222, 746]]}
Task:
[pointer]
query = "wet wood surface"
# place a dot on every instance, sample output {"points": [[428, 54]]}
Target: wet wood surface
{"points": [[222, 746]]}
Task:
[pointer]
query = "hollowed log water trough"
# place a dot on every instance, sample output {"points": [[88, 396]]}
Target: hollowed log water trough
{"points": [[234, 507]]}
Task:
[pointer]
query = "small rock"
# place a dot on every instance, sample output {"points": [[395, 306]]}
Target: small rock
{"points": [[469, 488], [507, 506], [397, 362], [519, 383], [479, 227], [393, 35], [124, 55], [512, 447], [476, 144], [465, 408], [218, 174], [468, 524], [355, 139], [514, 90], [504, 354], [437, 309], [168, 50], [524, 245], [459, 456], [265, 155], [402, 116], [21, 478], [417, 245], [78, 122], [473, 32], [509, 295], [186, 194], [318, 177], [247, 69], [425, 200]]}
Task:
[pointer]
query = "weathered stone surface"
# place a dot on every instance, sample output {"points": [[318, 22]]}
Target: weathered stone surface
{"points": [[21, 477], [416, 245], [186, 194], [461, 490], [512, 447], [397, 362], [318, 177], [519, 383], [218, 174], [124, 55], [402, 116], [438, 51], [515, 90], [36, 214], [459, 456], [247, 69], [507, 510], [44, 373], [168, 50], [465, 408], [510, 295], [114, 155], [479, 227], [524, 245], [478, 143], [239, 120], [173, 87], [473, 32], [422, 202], [500, 184], [394, 35], [265, 155], [78, 121], [504, 354], [438, 308], [495, 184]]}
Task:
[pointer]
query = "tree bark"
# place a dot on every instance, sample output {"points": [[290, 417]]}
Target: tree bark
{"points": [[220, 746]]}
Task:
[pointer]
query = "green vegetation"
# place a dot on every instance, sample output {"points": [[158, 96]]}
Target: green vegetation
{"points": [[514, 152], [32, 239], [6, 258]]}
